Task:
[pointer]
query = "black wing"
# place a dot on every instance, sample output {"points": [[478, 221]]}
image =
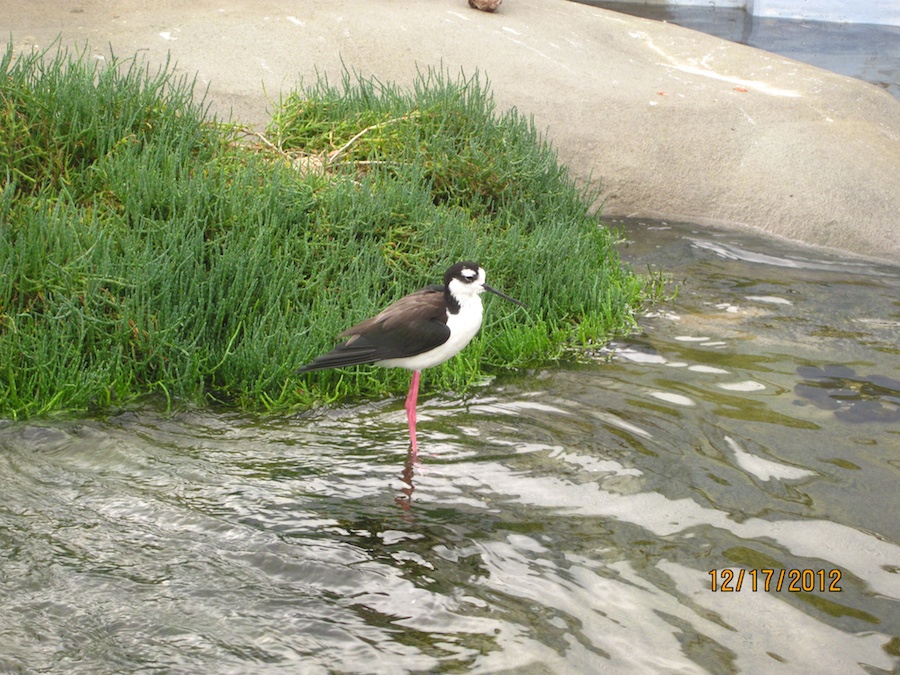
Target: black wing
{"points": [[414, 324]]}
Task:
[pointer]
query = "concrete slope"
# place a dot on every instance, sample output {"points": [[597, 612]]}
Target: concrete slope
{"points": [[675, 123]]}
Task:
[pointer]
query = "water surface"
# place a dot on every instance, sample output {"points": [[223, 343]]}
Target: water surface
{"points": [[869, 52], [562, 520]]}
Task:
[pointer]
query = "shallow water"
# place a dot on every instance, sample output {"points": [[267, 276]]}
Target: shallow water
{"points": [[869, 52], [564, 520]]}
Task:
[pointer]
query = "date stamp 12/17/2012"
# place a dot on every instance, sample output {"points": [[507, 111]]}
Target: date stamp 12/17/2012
{"points": [[768, 580]]}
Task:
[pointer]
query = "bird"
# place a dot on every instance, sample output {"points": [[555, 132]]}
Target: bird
{"points": [[416, 332]]}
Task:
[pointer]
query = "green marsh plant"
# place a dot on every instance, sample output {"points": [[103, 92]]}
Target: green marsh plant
{"points": [[147, 248]]}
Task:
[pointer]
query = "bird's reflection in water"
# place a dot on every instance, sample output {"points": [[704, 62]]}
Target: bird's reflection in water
{"points": [[404, 500]]}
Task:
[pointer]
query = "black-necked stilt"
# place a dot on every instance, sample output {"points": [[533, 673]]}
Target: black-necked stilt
{"points": [[418, 331]]}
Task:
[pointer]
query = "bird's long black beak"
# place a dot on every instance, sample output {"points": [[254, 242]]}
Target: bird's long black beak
{"points": [[504, 296]]}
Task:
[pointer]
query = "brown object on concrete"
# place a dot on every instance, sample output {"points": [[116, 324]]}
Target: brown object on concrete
{"points": [[485, 5]]}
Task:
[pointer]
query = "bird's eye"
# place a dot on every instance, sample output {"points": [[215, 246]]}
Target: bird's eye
{"points": [[469, 274]]}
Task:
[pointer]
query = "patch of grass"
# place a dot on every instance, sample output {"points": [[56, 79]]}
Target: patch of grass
{"points": [[148, 248]]}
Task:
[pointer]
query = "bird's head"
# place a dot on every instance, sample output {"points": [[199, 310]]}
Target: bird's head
{"points": [[466, 280]]}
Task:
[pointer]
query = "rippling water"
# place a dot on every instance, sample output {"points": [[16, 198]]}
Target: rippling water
{"points": [[565, 520]]}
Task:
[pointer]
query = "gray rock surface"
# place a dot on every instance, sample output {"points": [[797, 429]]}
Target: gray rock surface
{"points": [[674, 123]]}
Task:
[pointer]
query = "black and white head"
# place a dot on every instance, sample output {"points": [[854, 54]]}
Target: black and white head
{"points": [[465, 280]]}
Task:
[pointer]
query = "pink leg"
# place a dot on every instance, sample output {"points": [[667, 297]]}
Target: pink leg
{"points": [[412, 399]]}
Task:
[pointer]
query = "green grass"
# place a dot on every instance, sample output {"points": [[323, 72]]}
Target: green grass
{"points": [[147, 248]]}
